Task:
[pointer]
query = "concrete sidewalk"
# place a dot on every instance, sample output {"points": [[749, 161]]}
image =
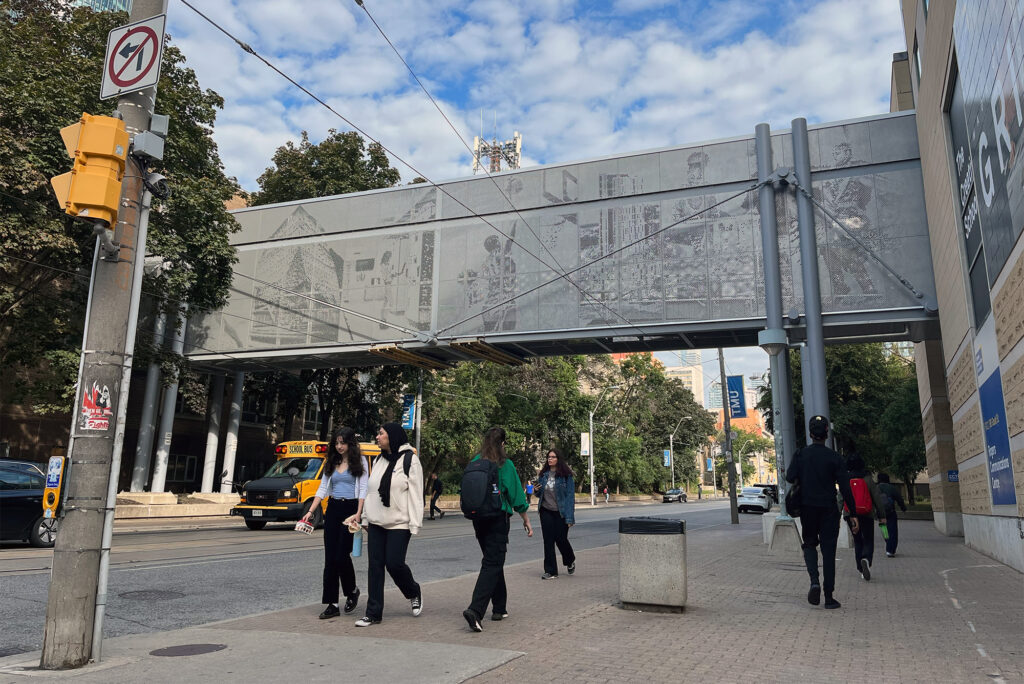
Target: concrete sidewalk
{"points": [[938, 612]]}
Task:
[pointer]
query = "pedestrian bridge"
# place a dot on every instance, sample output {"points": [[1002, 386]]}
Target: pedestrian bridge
{"points": [[646, 251]]}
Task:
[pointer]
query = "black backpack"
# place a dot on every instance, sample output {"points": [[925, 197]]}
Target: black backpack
{"points": [[481, 496]]}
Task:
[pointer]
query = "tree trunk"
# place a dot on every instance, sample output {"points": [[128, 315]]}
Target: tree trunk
{"points": [[909, 484]]}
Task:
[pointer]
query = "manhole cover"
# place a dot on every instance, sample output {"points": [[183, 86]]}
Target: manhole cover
{"points": [[151, 595], [188, 650]]}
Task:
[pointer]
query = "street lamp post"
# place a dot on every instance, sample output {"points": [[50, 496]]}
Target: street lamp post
{"points": [[671, 450], [590, 467]]}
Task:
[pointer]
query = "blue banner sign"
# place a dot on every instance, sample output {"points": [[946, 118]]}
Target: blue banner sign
{"points": [[711, 465], [408, 411], [997, 441], [953, 475], [668, 458], [737, 397]]}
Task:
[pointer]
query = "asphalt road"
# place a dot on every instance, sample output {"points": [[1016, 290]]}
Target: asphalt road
{"points": [[169, 579]]}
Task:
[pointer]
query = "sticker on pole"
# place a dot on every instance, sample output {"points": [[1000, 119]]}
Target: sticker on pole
{"points": [[133, 57], [97, 408]]}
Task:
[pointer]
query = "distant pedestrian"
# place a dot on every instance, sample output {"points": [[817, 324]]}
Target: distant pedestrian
{"points": [[892, 496], [818, 470], [394, 512], [556, 504], [606, 493], [492, 478], [529, 491], [867, 500], [344, 487], [436, 489]]}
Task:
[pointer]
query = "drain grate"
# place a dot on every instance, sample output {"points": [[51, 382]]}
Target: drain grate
{"points": [[188, 650], [151, 595]]}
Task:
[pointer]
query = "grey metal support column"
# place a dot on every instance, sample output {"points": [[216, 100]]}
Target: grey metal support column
{"points": [[213, 413], [144, 446], [805, 382], [231, 439], [815, 358], [773, 338], [163, 447]]}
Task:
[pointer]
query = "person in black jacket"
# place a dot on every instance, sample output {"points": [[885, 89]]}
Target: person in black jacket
{"points": [[818, 470], [892, 496], [436, 489]]}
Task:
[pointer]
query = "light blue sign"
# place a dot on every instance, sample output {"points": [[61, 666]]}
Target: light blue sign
{"points": [[668, 458], [408, 411], [737, 397], [997, 441], [711, 465]]}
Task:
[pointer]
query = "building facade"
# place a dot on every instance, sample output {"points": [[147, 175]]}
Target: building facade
{"points": [[965, 70]]}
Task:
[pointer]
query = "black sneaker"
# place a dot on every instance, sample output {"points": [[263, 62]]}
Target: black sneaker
{"points": [[499, 615], [442, 515], [814, 595], [473, 620], [417, 605], [865, 569], [331, 611], [351, 600], [571, 567], [831, 603], [548, 575]]}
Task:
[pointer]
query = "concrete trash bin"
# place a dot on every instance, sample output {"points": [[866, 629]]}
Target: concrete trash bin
{"points": [[652, 564]]}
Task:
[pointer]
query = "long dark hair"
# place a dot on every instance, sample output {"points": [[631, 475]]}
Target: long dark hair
{"points": [[353, 454], [493, 447], [562, 468]]}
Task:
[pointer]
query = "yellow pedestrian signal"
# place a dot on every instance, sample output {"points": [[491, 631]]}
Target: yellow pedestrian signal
{"points": [[92, 189]]}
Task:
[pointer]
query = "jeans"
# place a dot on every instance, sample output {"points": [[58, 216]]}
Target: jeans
{"points": [[386, 550], [820, 526], [433, 505], [864, 540], [893, 528], [556, 532], [338, 550], [492, 535]]}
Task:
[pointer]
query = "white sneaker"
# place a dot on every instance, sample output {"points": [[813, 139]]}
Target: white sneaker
{"points": [[366, 621], [417, 605]]}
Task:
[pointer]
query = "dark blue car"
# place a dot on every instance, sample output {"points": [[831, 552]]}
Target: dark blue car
{"points": [[21, 504]]}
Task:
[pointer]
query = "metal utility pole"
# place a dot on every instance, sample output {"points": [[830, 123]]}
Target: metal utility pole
{"points": [[671, 449], [590, 467], [419, 411], [734, 513], [94, 447]]}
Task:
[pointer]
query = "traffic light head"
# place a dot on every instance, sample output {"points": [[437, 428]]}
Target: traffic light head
{"points": [[92, 189]]}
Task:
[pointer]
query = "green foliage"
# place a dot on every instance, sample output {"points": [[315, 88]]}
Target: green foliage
{"points": [[51, 58], [745, 448]]}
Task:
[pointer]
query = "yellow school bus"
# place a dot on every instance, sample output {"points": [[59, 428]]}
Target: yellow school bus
{"points": [[286, 490]]}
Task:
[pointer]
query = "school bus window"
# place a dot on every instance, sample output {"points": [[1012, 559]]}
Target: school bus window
{"points": [[302, 468]]}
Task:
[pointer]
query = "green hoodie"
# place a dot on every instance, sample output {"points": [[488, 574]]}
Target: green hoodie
{"points": [[513, 500]]}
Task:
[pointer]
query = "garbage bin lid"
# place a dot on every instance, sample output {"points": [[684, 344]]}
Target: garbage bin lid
{"points": [[647, 525]]}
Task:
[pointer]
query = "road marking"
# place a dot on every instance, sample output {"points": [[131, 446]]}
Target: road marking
{"points": [[981, 651]]}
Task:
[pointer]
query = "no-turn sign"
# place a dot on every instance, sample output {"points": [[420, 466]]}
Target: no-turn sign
{"points": [[133, 57]]}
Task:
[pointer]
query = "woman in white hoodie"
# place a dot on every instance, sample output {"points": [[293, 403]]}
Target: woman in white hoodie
{"points": [[393, 512]]}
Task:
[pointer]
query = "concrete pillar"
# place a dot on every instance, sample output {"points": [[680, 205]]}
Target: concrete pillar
{"points": [[231, 439], [214, 410], [937, 423], [166, 432]]}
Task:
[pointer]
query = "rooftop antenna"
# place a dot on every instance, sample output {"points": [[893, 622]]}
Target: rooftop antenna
{"points": [[497, 150]]}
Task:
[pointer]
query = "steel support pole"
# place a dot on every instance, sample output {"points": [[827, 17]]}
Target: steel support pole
{"points": [[231, 438], [590, 466], [734, 513], [815, 367], [805, 383], [419, 410], [213, 414], [672, 459], [166, 432], [144, 446]]}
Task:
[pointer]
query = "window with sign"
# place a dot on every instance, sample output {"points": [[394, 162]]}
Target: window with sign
{"points": [[967, 203]]}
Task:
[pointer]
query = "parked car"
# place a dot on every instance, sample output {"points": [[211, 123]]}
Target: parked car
{"points": [[773, 490], [754, 498], [21, 504], [674, 495]]}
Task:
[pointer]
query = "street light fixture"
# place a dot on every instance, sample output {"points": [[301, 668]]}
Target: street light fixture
{"points": [[590, 468], [671, 450]]}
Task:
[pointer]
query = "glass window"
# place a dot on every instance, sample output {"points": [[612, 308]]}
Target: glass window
{"points": [[14, 479], [924, 4]]}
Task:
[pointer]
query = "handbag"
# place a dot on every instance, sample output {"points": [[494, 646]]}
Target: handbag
{"points": [[793, 499]]}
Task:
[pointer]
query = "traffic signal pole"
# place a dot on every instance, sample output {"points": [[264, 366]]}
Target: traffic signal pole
{"points": [[97, 431]]}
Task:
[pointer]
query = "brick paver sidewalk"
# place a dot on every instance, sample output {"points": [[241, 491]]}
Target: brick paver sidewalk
{"points": [[938, 612]]}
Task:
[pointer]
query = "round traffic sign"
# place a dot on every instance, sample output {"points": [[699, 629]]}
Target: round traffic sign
{"points": [[149, 39]]}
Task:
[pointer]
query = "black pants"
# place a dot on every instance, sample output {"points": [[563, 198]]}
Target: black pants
{"points": [[433, 505], [892, 526], [386, 549], [864, 540], [820, 526], [492, 535], [338, 549], [556, 532]]}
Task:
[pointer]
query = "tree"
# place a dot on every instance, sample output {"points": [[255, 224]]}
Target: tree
{"points": [[745, 447], [51, 61]]}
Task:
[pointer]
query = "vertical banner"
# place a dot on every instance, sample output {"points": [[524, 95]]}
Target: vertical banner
{"points": [[997, 441], [408, 411], [668, 458], [584, 444], [737, 398]]}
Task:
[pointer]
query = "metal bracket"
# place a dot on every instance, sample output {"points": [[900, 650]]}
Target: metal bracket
{"points": [[109, 251]]}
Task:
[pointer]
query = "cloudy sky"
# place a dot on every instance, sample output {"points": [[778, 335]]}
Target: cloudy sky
{"points": [[576, 79]]}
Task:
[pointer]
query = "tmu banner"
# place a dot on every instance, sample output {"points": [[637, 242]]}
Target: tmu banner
{"points": [[737, 398]]}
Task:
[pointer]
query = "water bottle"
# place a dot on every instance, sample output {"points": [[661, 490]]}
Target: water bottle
{"points": [[357, 543]]}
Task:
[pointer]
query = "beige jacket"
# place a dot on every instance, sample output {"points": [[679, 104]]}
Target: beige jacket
{"points": [[406, 509]]}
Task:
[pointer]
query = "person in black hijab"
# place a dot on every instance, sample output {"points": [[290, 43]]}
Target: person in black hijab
{"points": [[393, 512]]}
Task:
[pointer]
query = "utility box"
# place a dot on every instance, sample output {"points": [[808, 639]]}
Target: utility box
{"points": [[652, 564]]}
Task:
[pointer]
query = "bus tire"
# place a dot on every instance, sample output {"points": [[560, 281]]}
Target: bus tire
{"points": [[255, 524]]}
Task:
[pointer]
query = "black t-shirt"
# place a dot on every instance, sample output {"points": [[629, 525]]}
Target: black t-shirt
{"points": [[437, 486], [819, 469]]}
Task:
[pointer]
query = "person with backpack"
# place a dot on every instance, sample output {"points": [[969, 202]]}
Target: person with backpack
{"points": [[816, 470], [436, 490], [344, 483], [866, 499], [891, 496], [556, 504], [393, 513], [491, 492]]}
